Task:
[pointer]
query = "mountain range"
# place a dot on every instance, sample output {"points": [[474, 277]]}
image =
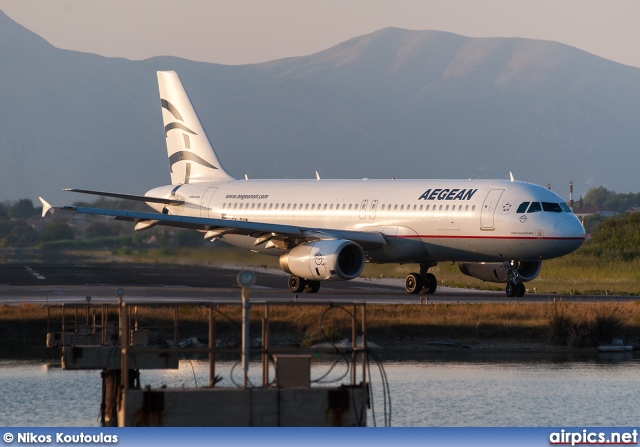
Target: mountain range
{"points": [[394, 103]]}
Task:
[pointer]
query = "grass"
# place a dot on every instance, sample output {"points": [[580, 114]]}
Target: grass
{"points": [[566, 324]]}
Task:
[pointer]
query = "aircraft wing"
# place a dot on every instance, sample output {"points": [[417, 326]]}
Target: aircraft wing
{"points": [[219, 227]]}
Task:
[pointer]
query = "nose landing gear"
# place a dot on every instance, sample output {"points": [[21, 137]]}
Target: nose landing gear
{"points": [[514, 286]]}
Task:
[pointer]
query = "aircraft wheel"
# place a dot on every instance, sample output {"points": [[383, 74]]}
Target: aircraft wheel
{"points": [[296, 284], [520, 290], [312, 286], [511, 290], [430, 284], [413, 283]]}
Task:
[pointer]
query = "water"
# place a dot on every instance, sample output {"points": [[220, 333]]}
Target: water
{"points": [[433, 391]]}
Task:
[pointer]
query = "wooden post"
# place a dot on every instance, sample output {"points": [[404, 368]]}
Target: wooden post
{"points": [[212, 346]]}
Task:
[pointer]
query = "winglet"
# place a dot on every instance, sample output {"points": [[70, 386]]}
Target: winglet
{"points": [[511, 175], [45, 206]]}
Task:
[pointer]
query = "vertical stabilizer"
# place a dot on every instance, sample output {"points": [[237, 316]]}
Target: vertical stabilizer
{"points": [[191, 156]]}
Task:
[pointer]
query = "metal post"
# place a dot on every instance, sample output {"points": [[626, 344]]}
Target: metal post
{"points": [[124, 340], [175, 325], [124, 364], [265, 347], [212, 346], [246, 293], [104, 325], [364, 343], [354, 336], [246, 280], [63, 328]]}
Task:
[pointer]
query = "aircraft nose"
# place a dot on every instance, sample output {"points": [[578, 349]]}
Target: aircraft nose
{"points": [[570, 233]]}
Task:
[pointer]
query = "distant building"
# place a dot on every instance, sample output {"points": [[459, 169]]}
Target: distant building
{"points": [[633, 209], [590, 210]]}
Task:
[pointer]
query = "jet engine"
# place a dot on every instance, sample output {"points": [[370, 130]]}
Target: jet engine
{"points": [[333, 259], [499, 272]]}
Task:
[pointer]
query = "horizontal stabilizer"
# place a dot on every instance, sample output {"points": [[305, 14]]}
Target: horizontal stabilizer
{"points": [[128, 196]]}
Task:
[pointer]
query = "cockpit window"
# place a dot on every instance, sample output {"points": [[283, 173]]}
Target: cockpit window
{"points": [[523, 207], [565, 207], [551, 207], [534, 207]]}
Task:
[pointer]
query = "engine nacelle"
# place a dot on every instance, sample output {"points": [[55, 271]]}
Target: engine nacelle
{"points": [[498, 272], [334, 259]]}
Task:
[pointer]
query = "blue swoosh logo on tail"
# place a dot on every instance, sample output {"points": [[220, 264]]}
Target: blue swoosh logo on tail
{"points": [[190, 156]]}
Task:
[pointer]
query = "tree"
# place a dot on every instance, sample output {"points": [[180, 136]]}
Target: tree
{"points": [[22, 209], [57, 231], [597, 196], [21, 234]]}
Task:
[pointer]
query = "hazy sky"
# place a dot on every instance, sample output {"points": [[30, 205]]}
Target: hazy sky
{"points": [[246, 31]]}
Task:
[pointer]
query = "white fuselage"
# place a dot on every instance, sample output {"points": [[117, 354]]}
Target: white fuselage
{"points": [[422, 220]]}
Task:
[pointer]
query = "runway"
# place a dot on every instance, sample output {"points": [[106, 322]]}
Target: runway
{"points": [[42, 281]]}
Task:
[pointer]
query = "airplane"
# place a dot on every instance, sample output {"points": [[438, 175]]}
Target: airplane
{"points": [[326, 230]]}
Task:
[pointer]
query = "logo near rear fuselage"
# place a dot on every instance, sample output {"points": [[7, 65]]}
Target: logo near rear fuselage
{"points": [[448, 194]]}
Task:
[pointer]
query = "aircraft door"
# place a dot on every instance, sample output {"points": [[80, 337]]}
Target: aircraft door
{"points": [[205, 202], [363, 209], [372, 210], [489, 208]]}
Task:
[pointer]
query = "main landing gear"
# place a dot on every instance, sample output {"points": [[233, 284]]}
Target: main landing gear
{"points": [[514, 287], [422, 282], [298, 284]]}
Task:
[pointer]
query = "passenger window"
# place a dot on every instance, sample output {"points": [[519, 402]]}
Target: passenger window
{"points": [[522, 208], [440, 208], [421, 207], [551, 207], [466, 207], [473, 208], [534, 207]]}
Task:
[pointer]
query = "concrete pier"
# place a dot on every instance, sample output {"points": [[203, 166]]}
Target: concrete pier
{"points": [[261, 407]]}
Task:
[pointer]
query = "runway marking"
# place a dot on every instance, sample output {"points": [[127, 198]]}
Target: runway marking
{"points": [[37, 275]]}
